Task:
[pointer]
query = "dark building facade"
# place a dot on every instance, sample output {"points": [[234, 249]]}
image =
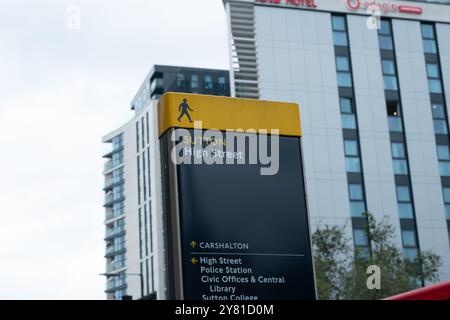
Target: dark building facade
{"points": [[163, 79]]}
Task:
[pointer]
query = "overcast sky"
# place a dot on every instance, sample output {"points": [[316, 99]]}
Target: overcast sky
{"points": [[61, 90]]}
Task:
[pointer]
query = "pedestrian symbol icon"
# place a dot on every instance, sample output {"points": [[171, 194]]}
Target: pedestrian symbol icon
{"points": [[184, 110]]}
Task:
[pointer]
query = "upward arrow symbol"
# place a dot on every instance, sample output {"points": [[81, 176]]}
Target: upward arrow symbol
{"points": [[193, 244]]}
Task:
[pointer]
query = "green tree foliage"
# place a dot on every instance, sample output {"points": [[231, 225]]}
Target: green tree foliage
{"points": [[341, 272]]}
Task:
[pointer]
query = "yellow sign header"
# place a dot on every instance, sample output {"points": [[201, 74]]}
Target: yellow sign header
{"points": [[181, 110]]}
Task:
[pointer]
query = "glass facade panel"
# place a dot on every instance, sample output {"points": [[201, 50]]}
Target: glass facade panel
{"points": [[403, 194], [353, 164], [398, 150], [444, 168], [395, 124], [427, 31], [342, 64], [440, 127], [351, 148], [344, 79], [386, 43], [435, 86], [438, 111], [360, 237], [390, 83], [338, 23], [405, 211], [355, 191], [410, 253], [429, 46], [346, 105], [443, 152], [400, 167], [348, 121], [409, 238], [432, 70], [340, 39], [357, 208], [388, 67]]}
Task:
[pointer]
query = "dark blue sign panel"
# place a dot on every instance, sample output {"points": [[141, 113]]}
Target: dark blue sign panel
{"points": [[244, 236]]}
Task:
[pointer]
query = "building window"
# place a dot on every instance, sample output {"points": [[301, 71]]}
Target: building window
{"points": [[157, 83], [142, 132], [144, 179], [385, 36], [339, 31], [117, 176], [357, 206], [117, 142], [399, 158], [405, 208], [119, 243], [208, 83], [434, 79], [117, 159], [139, 179], [410, 253], [194, 81], [389, 75], [119, 294], [446, 192], [149, 173], [394, 117], [222, 84], [352, 160], [429, 40], [117, 192], [146, 229], [152, 275], [409, 238], [439, 119], [141, 234], [147, 276], [137, 136], [148, 127], [360, 238], [444, 160], [118, 209], [180, 80], [344, 76], [150, 226], [348, 118]]}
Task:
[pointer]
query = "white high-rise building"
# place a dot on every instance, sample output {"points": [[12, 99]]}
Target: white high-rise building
{"points": [[135, 258], [373, 82]]}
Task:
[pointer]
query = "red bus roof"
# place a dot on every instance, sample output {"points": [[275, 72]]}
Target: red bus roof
{"points": [[440, 291]]}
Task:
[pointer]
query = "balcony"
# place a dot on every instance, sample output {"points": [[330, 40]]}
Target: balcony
{"points": [[114, 266], [112, 182], [113, 163], [110, 165], [114, 214], [115, 149], [114, 250], [111, 233], [110, 199], [112, 286]]}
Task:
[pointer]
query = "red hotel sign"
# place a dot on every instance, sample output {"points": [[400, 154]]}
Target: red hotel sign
{"points": [[299, 3], [384, 6]]}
